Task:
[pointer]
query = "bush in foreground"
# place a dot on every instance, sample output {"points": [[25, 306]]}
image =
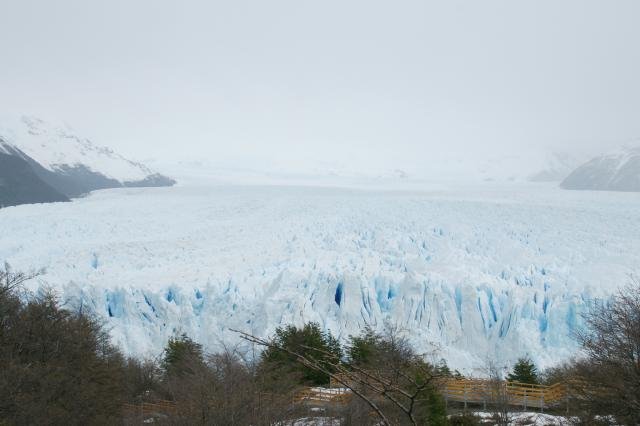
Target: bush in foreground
{"points": [[58, 367]]}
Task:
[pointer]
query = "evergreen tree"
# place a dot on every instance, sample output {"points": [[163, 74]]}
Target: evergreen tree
{"points": [[524, 371], [392, 358], [442, 369], [309, 341], [181, 356], [363, 349]]}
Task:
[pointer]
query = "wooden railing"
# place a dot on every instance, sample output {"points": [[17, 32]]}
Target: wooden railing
{"points": [[485, 392], [467, 391], [150, 409], [323, 395], [481, 391]]}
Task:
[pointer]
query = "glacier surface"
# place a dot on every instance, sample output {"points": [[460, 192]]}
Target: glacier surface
{"points": [[474, 274]]}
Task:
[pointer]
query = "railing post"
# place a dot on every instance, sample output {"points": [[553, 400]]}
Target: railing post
{"points": [[465, 398]]}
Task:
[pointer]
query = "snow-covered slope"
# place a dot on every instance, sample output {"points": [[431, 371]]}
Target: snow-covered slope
{"points": [[19, 183], [558, 166], [489, 273], [68, 163], [55, 146], [615, 171]]}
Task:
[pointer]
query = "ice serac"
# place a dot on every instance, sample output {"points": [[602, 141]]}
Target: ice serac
{"points": [[615, 171], [73, 166]]}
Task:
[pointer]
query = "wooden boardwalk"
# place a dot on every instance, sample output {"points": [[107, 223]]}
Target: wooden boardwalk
{"points": [[146, 410], [491, 392], [466, 391], [488, 392], [333, 396]]}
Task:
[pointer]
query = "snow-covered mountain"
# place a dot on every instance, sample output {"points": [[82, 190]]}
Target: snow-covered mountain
{"points": [[65, 163], [434, 173], [558, 166], [19, 184], [615, 171]]}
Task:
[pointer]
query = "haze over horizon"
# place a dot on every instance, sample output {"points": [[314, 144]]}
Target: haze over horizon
{"points": [[360, 86]]}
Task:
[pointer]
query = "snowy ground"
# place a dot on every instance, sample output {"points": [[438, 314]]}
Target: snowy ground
{"points": [[516, 419], [482, 273], [531, 419], [313, 421]]}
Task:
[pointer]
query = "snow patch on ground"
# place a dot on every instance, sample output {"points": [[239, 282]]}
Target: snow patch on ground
{"points": [[531, 419], [313, 421]]}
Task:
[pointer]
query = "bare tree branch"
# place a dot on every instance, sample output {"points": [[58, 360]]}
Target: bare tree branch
{"points": [[316, 366], [10, 280]]}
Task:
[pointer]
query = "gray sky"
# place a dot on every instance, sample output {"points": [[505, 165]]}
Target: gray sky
{"points": [[363, 84]]}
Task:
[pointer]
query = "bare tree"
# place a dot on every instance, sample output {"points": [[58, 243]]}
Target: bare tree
{"points": [[498, 396], [610, 374], [217, 389], [10, 281], [58, 367], [402, 386]]}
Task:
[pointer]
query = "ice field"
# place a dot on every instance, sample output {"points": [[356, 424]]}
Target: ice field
{"points": [[469, 274]]}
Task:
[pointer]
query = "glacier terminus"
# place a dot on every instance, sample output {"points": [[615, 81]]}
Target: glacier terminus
{"points": [[471, 274]]}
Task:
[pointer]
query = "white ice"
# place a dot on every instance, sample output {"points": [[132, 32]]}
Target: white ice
{"points": [[470, 274]]}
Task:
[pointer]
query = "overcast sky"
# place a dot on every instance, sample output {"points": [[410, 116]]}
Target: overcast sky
{"points": [[365, 83]]}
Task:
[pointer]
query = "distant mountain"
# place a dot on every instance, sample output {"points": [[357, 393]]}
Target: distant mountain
{"points": [[558, 166], [615, 171], [19, 184], [42, 162]]}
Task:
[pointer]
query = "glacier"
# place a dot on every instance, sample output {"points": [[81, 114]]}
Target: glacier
{"points": [[470, 274]]}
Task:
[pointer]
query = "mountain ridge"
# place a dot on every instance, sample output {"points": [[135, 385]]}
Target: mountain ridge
{"points": [[618, 170], [52, 156], [19, 184]]}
